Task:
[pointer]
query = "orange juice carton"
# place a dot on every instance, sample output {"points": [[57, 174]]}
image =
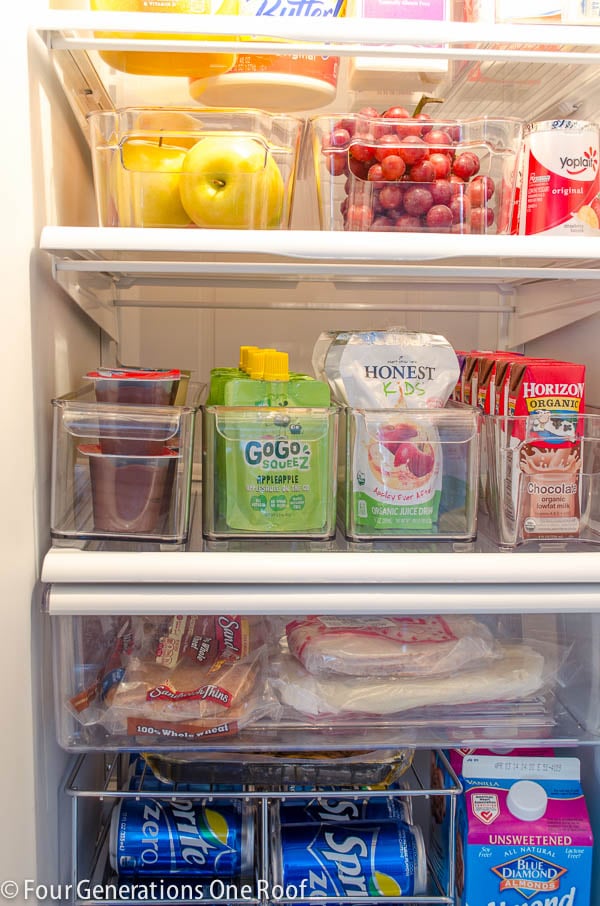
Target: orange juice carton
{"points": [[543, 403], [523, 833]]}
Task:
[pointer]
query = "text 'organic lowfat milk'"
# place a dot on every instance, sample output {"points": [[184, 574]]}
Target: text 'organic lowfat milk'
{"points": [[524, 836]]}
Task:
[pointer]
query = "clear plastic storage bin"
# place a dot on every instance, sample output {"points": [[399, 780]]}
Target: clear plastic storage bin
{"points": [[124, 682], [181, 167], [543, 477], [408, 175], [410, 474], [121, 472], [269, 473]]}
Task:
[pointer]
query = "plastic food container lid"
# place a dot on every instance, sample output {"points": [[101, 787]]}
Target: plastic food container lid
{"points": [[116, 374], [279, 91], [527, 800]]}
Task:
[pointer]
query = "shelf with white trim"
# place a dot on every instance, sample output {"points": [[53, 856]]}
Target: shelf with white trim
{"points": [[107, 268]]}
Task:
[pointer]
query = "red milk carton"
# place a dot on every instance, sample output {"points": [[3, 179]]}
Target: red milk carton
{"points": [[524, 835]]}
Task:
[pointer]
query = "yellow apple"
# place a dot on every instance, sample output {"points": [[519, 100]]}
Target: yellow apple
{"points": [[174, 127], [232, 182], [144, 184]]}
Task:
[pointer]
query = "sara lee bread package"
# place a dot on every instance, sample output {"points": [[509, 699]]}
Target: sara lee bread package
{"points": [[180, 677], [396, 459]]}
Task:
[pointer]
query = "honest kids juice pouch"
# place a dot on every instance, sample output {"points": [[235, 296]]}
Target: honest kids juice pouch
{"points": [[389, 380]]}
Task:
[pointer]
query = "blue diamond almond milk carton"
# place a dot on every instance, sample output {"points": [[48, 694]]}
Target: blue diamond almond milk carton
{"points": [[523, 833]]}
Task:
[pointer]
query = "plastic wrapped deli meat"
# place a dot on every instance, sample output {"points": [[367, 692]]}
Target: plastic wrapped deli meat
{"points": [[384, 646], [517, 673], [390, 369]]}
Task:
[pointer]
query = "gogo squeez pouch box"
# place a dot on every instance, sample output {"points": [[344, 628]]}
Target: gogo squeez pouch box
{"points": [[523, 833]]}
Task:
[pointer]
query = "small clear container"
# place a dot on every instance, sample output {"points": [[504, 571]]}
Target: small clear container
{"points": [[269, 473], [543, 477], [136, 387], [185, 167], [409, 175], [410, 474], [121, 471]]}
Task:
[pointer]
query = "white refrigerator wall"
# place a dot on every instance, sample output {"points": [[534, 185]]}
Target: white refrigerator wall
{"points": [[44, 345]]}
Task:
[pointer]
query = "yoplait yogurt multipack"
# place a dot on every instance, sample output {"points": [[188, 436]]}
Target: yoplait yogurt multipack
{"points": [[523, 833]]}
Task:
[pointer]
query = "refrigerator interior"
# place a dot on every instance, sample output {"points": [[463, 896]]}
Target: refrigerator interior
{"points": [[67, 322]]}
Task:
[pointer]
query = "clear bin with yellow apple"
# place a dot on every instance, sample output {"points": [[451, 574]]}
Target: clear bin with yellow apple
{"points": [[185, 167], [167, 63]]}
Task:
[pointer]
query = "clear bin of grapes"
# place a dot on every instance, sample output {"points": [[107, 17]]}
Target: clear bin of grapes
{"points": [[392, 172]]}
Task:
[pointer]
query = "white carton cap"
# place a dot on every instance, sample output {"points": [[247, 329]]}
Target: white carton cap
{"points": [[527, 800]]}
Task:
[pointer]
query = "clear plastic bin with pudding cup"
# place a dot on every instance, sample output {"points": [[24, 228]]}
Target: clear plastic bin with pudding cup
{"points": [[543, 478], [210, 168], [122, 472], [135, 386], [131, 494], [407, 175], [410, 474]]}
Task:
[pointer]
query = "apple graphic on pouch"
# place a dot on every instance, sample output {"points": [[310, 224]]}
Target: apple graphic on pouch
{"points": [[144, 184], [232, 181]]}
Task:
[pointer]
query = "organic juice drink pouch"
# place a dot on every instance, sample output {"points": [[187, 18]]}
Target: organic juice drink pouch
{"points": [[396, 456], [279, 441]]}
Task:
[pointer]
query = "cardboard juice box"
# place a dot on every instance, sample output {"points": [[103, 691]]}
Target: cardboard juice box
{"points": [[523, 833]]}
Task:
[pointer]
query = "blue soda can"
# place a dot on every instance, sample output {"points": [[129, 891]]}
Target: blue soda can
{"points": [[348, 859], [185, 837], [321, 811]]}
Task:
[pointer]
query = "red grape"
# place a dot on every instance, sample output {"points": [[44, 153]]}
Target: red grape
{"points": [[417, 200], [389, 144], [441, 163], [406, 223], [481, 219], [424, 119], [441, 191], [480, 190], [440, 139], [390, 196], [393, 167], [375, 173], [364, 149], [359, 217], [409, 127], [439, 217], [348, 123], [413, 150], [337, 162], [359, 168], [465, 165], [381, 225], [399, 113], [461, 209], [423, 172], [458, 184]]}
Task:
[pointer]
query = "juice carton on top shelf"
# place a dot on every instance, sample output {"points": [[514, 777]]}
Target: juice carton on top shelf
{"points": [[523, 833]]}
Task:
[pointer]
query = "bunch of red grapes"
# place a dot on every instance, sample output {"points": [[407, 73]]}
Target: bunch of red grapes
{"points": [[408, 174]]}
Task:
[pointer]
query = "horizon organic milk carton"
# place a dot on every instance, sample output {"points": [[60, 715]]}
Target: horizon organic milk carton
{"points": [[523, 833], [541, 439]]}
